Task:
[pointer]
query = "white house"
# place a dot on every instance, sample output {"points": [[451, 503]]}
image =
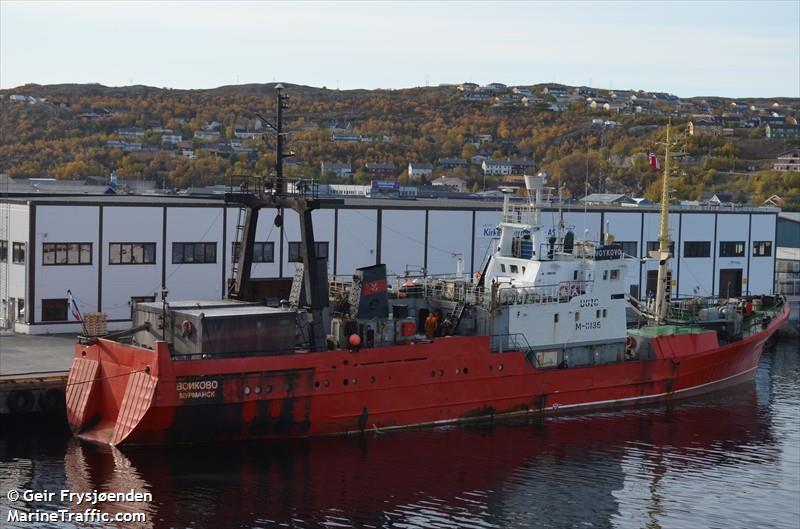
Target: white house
{"points": [[171, 137], [339, 170], [417, 171], [497, 167]]}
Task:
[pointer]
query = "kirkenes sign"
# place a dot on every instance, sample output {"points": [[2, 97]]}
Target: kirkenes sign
{"points": [[606, 253]]}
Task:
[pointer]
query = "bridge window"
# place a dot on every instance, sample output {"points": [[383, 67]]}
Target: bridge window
{"points": [[503, 268], [577, 316], [514, 269], [615, 274], [555, 317]]}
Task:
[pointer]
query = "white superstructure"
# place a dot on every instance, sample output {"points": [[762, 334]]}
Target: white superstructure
{"points": [[553, 290]]}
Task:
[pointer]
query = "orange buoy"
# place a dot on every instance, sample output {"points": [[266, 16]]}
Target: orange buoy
{"points": [[354, 340]]}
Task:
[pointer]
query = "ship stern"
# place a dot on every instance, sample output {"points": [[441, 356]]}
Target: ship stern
{"points": [[110, 389]]}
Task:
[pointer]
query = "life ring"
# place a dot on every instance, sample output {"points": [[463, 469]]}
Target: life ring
{"points": [[20, 401], [477, 276], [186, 327], [563, 291], [574, 291], [629, 343]]}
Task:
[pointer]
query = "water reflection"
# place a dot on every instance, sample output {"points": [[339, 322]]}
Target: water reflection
{"points": [[640, 468]]}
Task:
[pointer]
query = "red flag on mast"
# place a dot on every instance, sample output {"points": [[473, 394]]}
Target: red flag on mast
{"points": [[654, 163]]}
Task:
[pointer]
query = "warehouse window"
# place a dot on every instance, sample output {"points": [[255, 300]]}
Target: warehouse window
{"points": [[66, 253], [697, 249], [263, 252], [629, 248], [18, 252], [762, 248], [320, 248], [194, 252], [131, 253], [3, 251], [54, 310], [653, 246], [731, 249]]}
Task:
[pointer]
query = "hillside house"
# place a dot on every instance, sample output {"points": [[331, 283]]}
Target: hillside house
{"points": [[132, 132], [788, 132], [171, 137], [449, 164], [207, 135], [381, 170], [496, 167], [788, 161], [417, 171], [339, 170], [704, 128]]}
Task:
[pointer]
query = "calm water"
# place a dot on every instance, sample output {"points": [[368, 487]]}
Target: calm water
{"points": [[726, 461]]}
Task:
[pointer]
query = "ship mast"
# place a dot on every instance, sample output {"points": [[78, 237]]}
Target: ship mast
{"points": [[302, 199], [664, 241]]}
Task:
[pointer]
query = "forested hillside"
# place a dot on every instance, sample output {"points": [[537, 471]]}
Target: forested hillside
{"points": [[74, 131]]}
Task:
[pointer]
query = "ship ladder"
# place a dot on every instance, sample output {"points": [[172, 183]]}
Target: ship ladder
{"points": [[237, 249], [455, 315]]}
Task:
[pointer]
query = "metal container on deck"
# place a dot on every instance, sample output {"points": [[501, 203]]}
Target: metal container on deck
{"points": [[218, 328]]}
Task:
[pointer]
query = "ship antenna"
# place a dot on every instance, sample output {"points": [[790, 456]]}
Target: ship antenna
{"points": [[662, 288]]}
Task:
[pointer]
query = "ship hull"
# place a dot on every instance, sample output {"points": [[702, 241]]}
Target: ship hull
{"points": [[121, 394]]}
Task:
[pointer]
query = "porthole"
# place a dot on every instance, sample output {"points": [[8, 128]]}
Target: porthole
{"points": [[466, 370], [458, 371], [354, 381], [433, 374], [371, 380], [316, 384], [258, 390], [441, 372], [288, 387], [500, 367], [327, 383], [268, 389], [345, 382], [490, 369], [247, 390]]}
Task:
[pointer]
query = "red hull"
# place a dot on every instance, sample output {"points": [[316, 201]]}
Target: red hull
{"points": [[124, 394]]}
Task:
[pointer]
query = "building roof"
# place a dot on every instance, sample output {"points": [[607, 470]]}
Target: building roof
{"points": [[608, 198], [466, 202], [448, 181]]}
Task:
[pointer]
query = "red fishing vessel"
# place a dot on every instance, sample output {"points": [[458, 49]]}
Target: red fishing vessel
{"points": [[541, 330]]}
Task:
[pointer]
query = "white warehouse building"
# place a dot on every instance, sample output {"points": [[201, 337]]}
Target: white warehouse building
{"points": [[111, 251]]}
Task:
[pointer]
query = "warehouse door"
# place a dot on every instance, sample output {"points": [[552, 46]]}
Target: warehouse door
{"points": [[730, 282]]}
